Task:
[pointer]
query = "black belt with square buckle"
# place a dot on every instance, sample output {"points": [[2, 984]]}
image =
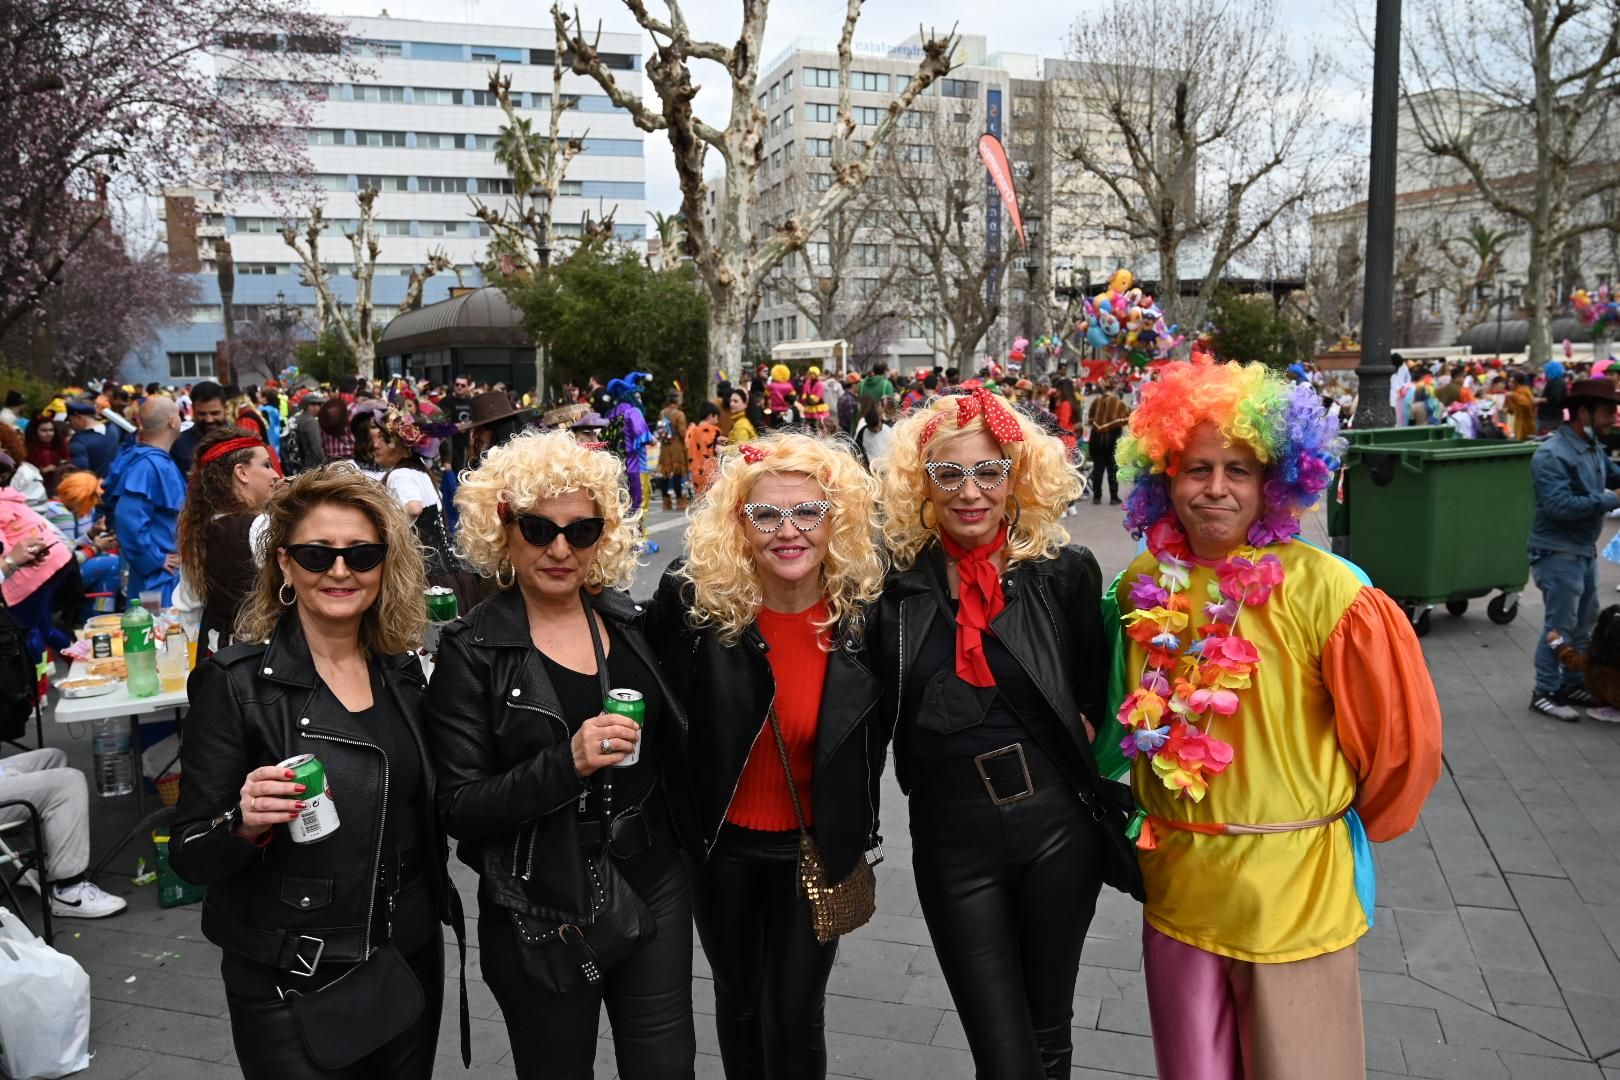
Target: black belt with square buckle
{"points": [[1005, 773]]}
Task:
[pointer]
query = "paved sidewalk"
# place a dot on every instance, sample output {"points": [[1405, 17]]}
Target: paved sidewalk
{"points": [[1494, 955]]}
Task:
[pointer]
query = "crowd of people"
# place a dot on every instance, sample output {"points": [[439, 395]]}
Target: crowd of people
{"points": [[875, 570]]}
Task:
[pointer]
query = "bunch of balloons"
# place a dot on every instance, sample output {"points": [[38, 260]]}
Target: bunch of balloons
{"points": [[1126, 323], [290, 375], [1599, 309]]}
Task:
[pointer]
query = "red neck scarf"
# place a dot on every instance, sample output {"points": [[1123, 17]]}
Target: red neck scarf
{"points": [[979, 601]]}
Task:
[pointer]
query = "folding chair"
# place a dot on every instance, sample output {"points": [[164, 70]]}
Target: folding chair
{"points": [[30, 864]]}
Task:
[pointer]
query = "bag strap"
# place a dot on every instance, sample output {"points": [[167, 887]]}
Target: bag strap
{"points": [[787, 771], [596, 644]]}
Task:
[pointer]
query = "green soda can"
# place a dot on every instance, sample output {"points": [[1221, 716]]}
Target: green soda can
{"points": [[441, 604], [628, 704], [319, 818]]}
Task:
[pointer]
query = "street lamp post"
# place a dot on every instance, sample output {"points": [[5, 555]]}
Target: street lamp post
{"points": [[542, 203], [282, 316], [1373, 407]]}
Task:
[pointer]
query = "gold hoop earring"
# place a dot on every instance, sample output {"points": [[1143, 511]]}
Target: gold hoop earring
{"points": [[922, 516], [1018, 511], [281, 594], [511, 575]]}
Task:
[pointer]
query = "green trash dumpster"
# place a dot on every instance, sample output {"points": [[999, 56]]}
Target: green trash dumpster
{"points": [[1338, 510], [1443, 522]]}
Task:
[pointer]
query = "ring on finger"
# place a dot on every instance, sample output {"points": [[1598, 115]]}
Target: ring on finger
{"points": [[253, 805], [607, 746]]}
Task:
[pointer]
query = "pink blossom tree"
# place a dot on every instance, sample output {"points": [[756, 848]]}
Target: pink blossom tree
{"points": [[144, 93]]}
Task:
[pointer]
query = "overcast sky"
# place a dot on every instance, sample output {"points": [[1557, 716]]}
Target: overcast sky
{"points": [[1010, 27]]}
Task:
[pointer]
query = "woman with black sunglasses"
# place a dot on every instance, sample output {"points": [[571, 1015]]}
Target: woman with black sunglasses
{"points": [[762, 625], [560, 805], [328, 908]]}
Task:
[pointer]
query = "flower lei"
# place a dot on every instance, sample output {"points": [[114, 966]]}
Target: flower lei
{"points": [[1162, 715]]}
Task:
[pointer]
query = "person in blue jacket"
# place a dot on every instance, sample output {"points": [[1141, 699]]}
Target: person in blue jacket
{"points": [[145, 491], [92, 446]]}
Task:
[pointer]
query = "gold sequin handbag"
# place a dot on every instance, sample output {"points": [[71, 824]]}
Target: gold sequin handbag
{"points": [[836, 907]]}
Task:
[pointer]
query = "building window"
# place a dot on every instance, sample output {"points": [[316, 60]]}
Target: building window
{"points": [[381, 48], [323, 137], [384, 183], [484, 97], [820, 181], [787, 83], [191, 365], [332, 182], [958, 88], [868, 80], [481, 142], [918, 153], [822, 113], [207, 313], [787, 117], [393, 228], [787, 152], [792, 327], [818, 252], [379, 93], [871, 254], [259, 226], [485, 186], [776, 93], [441, 185], [776, 126], [827, 78], [484, 58], [911, 118], [444, 228], [436, 141], [430, 96], [571, 187], [257, 269], [776, 160], [379, 138], [867, 114], [818, 147]]}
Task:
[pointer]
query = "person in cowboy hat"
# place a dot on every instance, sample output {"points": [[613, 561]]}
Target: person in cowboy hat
{"points": [[1574, 484]]}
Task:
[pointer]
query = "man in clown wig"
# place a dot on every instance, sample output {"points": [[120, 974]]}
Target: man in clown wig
{"points": [[1275, 715]]}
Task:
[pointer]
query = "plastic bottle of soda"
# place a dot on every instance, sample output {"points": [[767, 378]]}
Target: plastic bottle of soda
{"points": [[140, 651]]}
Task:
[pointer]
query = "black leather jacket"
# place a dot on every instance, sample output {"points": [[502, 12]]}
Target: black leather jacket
{"points": [[1052, 624], [729, 689], [507, 785], [253, 705]]}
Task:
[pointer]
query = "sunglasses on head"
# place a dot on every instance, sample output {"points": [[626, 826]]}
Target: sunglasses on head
{"points": [[319, 558], [540, 532]]}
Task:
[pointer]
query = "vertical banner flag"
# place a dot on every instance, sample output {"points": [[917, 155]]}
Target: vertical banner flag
{"points": [[995, 159]]}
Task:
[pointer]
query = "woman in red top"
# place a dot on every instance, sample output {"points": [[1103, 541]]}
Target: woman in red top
{"points": [[46, 448], [760, 631]]}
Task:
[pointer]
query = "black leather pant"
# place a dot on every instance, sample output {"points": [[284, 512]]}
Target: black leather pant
{"points": [[1008, 892], [268, 1046], [648, 997], [770, 973]]}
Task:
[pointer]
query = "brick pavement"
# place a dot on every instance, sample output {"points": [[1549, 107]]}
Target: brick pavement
{"points": [[1494, 955]]}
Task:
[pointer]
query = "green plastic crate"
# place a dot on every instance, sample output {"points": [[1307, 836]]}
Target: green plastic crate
{"points": [[1443, 520], [1338, 513]]}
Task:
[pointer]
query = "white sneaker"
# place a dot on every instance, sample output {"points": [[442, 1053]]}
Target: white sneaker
{"points": [[1605, 714], [84, 900]]}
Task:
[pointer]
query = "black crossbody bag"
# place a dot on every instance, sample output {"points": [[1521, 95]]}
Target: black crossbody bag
{"points": [[561, 956]]}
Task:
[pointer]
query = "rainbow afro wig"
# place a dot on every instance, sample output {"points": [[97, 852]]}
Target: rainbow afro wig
{"points": [[1285, 425]]}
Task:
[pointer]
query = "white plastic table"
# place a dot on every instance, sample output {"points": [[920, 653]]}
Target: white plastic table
{"points": [[147, 710]]}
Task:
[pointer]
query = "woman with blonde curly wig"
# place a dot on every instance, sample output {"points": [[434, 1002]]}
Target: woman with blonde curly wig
{"points": [[328, 909], [762, 627], [558, 804], [989, 643]]}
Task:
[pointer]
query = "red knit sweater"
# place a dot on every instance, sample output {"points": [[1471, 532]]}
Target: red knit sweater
{"points": [[800, 668]]}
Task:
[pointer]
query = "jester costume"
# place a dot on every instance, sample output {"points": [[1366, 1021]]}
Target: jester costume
{"points": [[629, 435], [1275, 714]]}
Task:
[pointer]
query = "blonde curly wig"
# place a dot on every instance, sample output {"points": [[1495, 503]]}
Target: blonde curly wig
{"points": [[397, 622], [720, 564], [1042, 480], [539, 465]]}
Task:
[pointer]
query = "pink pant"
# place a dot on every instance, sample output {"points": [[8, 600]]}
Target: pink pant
{"points": [[1215, 1018]]}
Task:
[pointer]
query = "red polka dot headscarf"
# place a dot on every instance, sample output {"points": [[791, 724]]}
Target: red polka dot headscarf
{"points": [[978, 402]]}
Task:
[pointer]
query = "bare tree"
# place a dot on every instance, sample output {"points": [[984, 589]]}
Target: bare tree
{"points": [[437, 263], [931, 196], [733, 262], [1521, 96], [356, 338], [1216, 132]]}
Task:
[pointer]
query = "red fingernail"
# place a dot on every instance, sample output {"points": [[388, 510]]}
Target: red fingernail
{"points": [[288, 775], [298, 805], [300, 788], [291, 814]]}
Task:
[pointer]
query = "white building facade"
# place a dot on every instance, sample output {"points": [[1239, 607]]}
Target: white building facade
{"points": [[420, 128]]}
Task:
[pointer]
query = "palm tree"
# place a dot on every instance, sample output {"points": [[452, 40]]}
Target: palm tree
{"points": [[1478, 257], [671, 230], [507, 156]]}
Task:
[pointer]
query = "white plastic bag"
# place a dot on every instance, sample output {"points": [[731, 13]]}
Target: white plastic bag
{"points": [[44, 1006], [166, 751], [1611, 550]]}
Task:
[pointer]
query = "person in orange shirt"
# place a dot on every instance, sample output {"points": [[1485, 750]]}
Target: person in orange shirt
{"points": [[762, 628], [702, 443], [1521, 408], [1277, 715]]}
